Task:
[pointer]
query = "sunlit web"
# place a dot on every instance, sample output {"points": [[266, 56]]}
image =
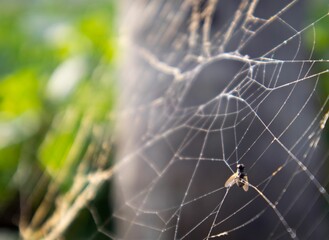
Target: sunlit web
{"points": [[210, 84], [207, 85]]}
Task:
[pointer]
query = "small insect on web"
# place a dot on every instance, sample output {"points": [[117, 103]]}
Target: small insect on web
{"points": [[239, 178]]}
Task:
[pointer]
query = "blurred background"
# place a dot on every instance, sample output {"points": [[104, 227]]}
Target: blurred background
{"points": [[58, 89]]}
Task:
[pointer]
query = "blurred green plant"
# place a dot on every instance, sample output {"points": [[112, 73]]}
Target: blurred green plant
{"points": [[320, 37], [57, 85]]}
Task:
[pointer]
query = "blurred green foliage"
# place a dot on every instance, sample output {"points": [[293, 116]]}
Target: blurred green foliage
{"points": [[56, 83], [319, 39]]}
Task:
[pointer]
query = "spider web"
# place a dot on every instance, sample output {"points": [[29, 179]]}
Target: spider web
{"points": [[212, 84], [207, 85]]}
